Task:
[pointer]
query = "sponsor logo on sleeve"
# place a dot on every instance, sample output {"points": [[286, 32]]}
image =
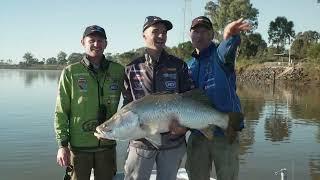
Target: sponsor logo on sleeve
{"points": [[210, 84]]}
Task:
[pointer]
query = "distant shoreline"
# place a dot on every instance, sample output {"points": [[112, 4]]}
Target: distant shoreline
{"points": [[33, 67], [269, 72], [255, 72]]}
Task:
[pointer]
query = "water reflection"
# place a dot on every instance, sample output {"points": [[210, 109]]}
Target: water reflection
{"points": [[252, 103], [314, 164], [277, 122], [31, 76], [285, 114]]}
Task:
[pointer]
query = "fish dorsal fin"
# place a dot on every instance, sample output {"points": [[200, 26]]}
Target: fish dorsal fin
{"points": [[197, 95], [161, 93], [151, 128]]}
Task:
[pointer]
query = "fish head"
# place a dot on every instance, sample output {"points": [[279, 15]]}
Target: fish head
{"points": [[122, 126]]}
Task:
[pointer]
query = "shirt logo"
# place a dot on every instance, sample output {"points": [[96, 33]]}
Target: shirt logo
{"points": [[137, 86], [138, 77], [114, 87], [171, 84], [89, 126], [210, 84], [83, 84], [169, 75]]}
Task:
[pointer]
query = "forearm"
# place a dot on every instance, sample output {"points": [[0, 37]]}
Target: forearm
{"points": [[227, 50], [62, 110], [61, 125]]}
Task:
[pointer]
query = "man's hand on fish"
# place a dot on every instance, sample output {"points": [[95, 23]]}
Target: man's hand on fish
{"points": [[231, 134], [236, 27], [233, 126], [101, 138], [63, 156], [176, 129]]}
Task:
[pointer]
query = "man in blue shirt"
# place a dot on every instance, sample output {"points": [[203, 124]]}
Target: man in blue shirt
{"points": [[212, 69]]}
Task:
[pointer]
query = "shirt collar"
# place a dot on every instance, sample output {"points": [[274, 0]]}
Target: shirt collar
{"points": [[204, 53], [103, 64], [153, 61]]}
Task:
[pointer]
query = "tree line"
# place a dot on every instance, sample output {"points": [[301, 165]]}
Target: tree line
{"points": [[303, 46]]}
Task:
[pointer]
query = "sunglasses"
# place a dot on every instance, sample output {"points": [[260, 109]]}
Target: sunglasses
{"points": [[67, 175]]}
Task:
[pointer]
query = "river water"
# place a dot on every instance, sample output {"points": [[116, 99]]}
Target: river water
{"points": [[282, 129]]}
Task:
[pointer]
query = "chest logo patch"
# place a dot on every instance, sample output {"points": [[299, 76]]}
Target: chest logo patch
{"points": [[138, 77], [114, 87], [137, 86], [170, 75], [171, 84], [83, 84]]}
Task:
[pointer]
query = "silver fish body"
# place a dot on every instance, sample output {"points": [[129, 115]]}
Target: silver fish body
{"points": [[152, 114]]}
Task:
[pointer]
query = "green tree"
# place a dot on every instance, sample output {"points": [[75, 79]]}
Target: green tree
{"points": [[303, 41], [223, 12], [252, 45], [314, 52], [52, 60], [74, 57], [62, 58], [9, 61], [281, 32], [29, 58], [309, 36], [126, 57], [299, 48], [183, 50]]}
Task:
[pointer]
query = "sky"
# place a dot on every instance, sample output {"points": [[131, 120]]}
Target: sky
{"points": [[45, 27]]}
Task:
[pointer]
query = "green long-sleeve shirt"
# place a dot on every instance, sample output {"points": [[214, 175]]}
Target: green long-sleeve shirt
{"points": [[78, 102]]}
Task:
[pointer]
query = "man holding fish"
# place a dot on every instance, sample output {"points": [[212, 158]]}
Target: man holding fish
{"points": [[147, 117], [212, 69], [155, 71]]}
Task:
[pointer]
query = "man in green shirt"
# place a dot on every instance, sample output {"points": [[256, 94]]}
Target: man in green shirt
{"points": [[88, 94]]}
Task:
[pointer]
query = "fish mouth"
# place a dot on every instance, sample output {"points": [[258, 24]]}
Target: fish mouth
{"points": [[102, 134]]}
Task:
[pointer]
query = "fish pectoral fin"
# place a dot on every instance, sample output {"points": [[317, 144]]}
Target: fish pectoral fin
{"points": [[154, 139], [149, 128], [208, 132]]}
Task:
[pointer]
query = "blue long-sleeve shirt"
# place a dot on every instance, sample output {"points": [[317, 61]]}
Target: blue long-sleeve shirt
{"points": [[213, 71]]}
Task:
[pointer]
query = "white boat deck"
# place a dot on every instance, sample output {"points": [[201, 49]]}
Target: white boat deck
{"points": [[182, 175]]}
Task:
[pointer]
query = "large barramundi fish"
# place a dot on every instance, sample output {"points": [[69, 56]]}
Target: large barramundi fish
{"points": [[151, 115]]}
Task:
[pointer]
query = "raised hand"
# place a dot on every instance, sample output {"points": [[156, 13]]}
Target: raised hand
{"points": [[236, 27]]}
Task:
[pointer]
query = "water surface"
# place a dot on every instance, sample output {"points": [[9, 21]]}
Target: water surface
{"points": [[282, 129]]}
